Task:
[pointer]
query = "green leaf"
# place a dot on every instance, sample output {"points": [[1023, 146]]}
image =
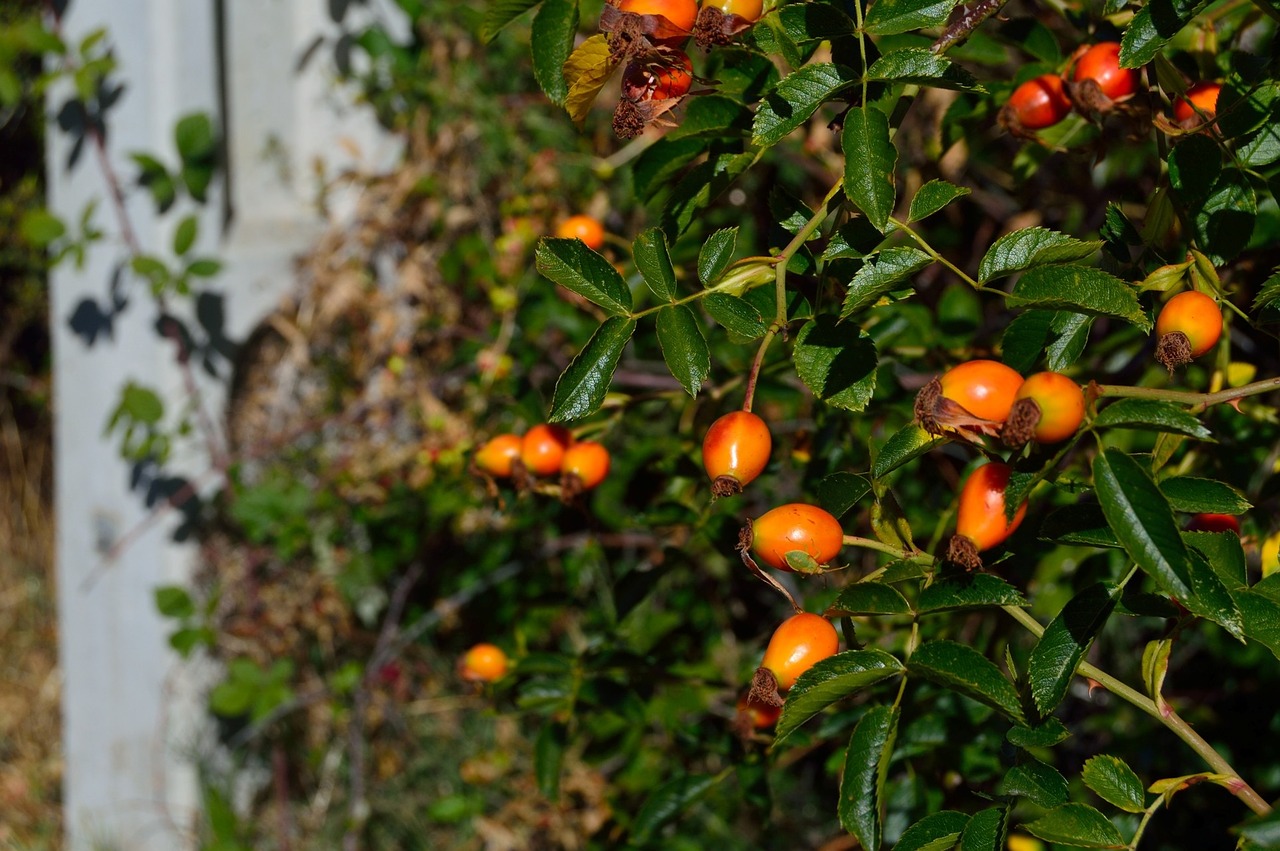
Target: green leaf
{"points": [[1031, 247], [1142, 520], [653, 259], [1194, 165], [1155, 665], [203, 268], [194, 136], [1261, 617], [1065, 642], [185, 235], [934, 195], [795, 98], [1224, 553], [1210, 598], [548, 756], [1046, 734], [141, 404], [1152, 27], [39, 227], [702, 185], [1225, 220], [866, 763], [715, 254], [1263, 148], [551, 40], [869, 598], [173, 601], [985, 831], [583, 385], [881, 274], [922, 66], [837, 362], [1153, 415], [1263, 833], [965, 670], [830, 680], [1082, 289], [1077, 825], [502, 12], [902, 447], [1079, 524], [683, 346], [839, 492], [1203, 496], [890, 17], [937, 832], [569, 263], [668, 801], [1041, 784], [975, 591], [1113, 781], [736, 315], [870, 161]]}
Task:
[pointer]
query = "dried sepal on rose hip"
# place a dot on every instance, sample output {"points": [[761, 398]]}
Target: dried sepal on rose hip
{"points": [[975, 396], [1189, 325], [652, 85], [811, 536], [719, 21], [1035, 104], [1048, 408], [637, 27], [735, 451], [980, 521], [800, 642]]}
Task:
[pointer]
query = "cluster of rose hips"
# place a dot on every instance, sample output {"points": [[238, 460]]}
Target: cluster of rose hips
{"points": [[545, 451], [1095, 84], [650, 36]]}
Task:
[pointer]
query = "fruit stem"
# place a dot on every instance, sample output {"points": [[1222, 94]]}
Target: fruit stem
{"points": [[754, 376], [871, 544], [932, 252], [1187, 397], [1168, 717], [797, 242], [1142, 825]]}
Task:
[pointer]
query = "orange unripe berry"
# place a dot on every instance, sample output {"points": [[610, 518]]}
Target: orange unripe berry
{"points": [[984, 388], [483, 663], [758, 715], [1040, 102], [735, 451], [749, 10], [1214, 523], [796, 527], [1189, 325], [542, 450], [980, 521], [585, 228], [1204, 96], [1060, 405], [681, 13], [588, 461], [498, 455], [1101, 63], [662, 78], [799, 643]]}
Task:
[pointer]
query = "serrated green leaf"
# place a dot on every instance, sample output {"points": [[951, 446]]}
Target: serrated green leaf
{"points": [[1113, 781], [1065, 642], [891, 17], [1046, 734], [569, 263], [1224, 222], [830, 680], [551, 41], [1194, 164], [1152, 27], [736, 315], [975, 591], [683, 346], [1082, 289], [1143, 522], [1224, 553], [502, 12], [881, 274], [1070, 333], [548, 756], [839, 492], [902, 447], [923, 67], [866, 763], [715, 254], [1153, 415], [1203, 496], [1041, 784], [1261, 617], [1077, 825], [1263, 148], [583, 385], [837, 362], [653, 259], [668, 801], [937, 832], [870, 164], [965, 670], [1210, 597], [795, 98], [932, 197], [869, 598], [1031, 247], [985, 830]]}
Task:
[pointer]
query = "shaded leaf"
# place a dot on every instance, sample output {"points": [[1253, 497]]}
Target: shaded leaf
{"points": [[502, 12], [1152, 27], [1046, 734], [936, 832], [985, 830], [902, 447], [922, 66], [881, 274], [551, 42], [963, 669], [548, 756], [1041, 784], [837, 362], [715, 254], [1195, 495], [668, 801], [1142, 520], [866, 764], [1153, 415], [1065, 642], [830, 680], [869, 598], [584, 383], [839, 492], [978, 590], [795, 98], [736, 315]]}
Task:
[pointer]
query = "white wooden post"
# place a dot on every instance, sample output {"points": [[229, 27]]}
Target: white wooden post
{"points": [[133, 715]]}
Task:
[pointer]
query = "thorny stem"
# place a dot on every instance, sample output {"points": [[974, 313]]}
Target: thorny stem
{"points": [[1187, 397]]}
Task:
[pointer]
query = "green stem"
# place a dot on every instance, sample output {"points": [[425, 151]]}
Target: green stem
{"points": [[1142, 825], [754, 376], [1187, 397], [1165, 716], [871, 544], [796, 243], [694, 297], [938, 258]]}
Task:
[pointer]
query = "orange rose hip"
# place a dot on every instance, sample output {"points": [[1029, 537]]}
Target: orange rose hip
{"points": [[735, 451]]}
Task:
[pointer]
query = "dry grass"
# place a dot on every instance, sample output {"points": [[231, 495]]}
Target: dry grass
{"points": [[30, 718]]}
